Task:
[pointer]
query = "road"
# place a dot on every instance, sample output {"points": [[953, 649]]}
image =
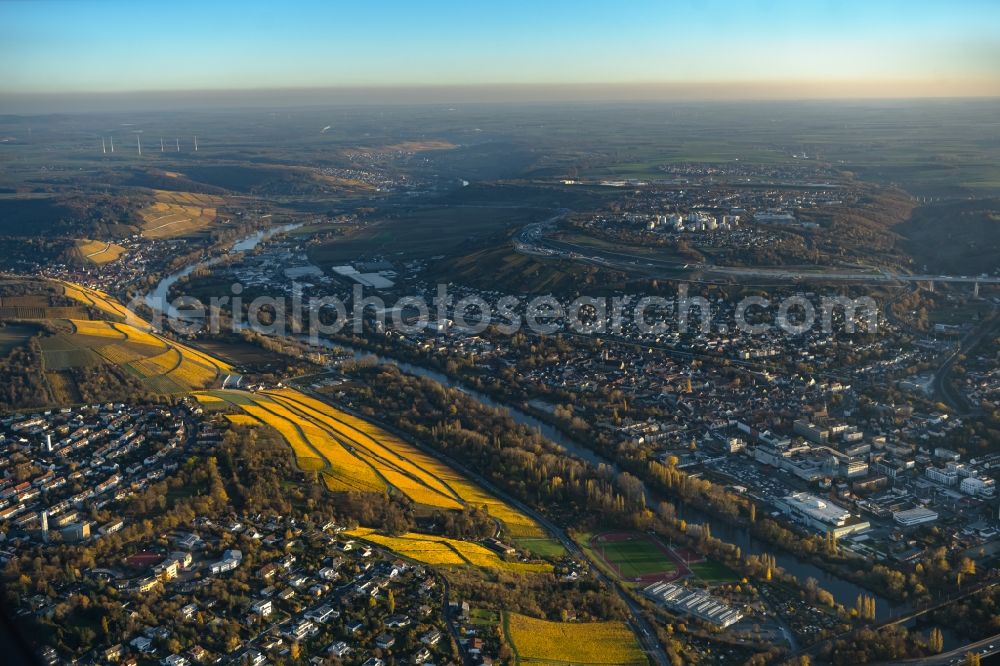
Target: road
{"points": [[533, 240], [819, 646], [643, 629], [941, 382], [986, 647], [107, 247], [448, 619]]}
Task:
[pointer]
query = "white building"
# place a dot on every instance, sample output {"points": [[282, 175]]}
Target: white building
{"points": [[820, 514], [230, 560], [977, 487], [698, 603], [911, 517], [945, 477], [339, 649], [815, 509], [262, 607]]}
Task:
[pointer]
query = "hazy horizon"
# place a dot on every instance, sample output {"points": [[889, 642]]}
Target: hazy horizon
{"points": [[100, 55], [180, 100]]}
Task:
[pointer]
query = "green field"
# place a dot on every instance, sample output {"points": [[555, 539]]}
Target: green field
{"points": [[484, 618], [542, 547], [634, 557], [713, 572]]}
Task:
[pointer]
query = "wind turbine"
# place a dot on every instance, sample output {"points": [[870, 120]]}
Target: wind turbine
{"points": [[196, 144], [104, 147], [138, 142], [178, 145], [112, 143], [161, 144]]}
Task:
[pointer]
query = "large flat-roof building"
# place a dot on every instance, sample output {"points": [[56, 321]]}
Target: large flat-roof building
{"points": [[820, 514], [917, 516], [698, 603], [811, 431]]}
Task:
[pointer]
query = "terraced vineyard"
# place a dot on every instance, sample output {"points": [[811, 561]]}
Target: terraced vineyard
{"points": [[353, 454], [35, 306], [165, 366], [101, 301], [441, 551], [179, 213], [349, 453], [99, 252]]}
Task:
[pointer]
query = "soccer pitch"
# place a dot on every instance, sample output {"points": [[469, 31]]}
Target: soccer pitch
{"points": [[633, 555]]}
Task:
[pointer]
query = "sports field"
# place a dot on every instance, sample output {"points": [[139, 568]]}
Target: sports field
{"points": [[634, 556]]}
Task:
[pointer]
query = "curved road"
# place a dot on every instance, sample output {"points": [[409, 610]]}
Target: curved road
{"points": [[942, 384], [533, 240]]}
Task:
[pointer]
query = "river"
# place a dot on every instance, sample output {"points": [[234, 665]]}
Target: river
{"points": [[844, 591], [158, 299]]}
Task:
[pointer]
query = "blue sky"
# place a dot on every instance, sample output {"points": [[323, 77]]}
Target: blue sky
{"points": [[59, 46]]}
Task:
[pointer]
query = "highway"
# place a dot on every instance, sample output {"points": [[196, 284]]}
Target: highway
{"points": [[816, 648], [533, 241], [986, 647], [941, 382]]}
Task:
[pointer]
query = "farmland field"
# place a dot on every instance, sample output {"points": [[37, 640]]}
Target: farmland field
{"points": [[163, 365], [63, 387], [536, 641], [350, 453], [242, 419], [211, 402], [242, 353], [418, 146], [98, 328], [61, 359], [441, 551], [35, 306], [26, 312]]}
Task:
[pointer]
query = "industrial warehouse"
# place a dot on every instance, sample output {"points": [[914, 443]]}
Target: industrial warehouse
{"points": [[695, 602]]}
